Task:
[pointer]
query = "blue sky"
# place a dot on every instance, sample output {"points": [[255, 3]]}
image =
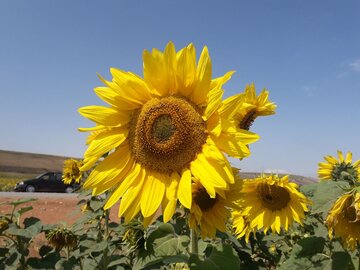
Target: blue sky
{"points": [[306, 53]]}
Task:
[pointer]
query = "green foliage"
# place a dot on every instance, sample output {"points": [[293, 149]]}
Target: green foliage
{"points": [[98, 243]]}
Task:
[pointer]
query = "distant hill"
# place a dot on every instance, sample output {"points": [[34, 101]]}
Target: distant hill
{"points": [[301, 180], [29, 163]]}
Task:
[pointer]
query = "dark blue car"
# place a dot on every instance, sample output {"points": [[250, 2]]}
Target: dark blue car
{"points": [[46, 182]]}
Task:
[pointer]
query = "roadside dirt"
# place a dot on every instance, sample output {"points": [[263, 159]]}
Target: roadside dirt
{"points": [[50, 210]]}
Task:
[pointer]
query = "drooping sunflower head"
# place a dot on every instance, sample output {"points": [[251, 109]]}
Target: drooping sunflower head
{"points": [[160, 131], [343, 220], [342, 169], [270, 202], [252, 106], [210, 214], [62, 238], [71, 171]]}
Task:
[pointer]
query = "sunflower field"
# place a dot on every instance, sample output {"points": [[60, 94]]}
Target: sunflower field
{"points": [[161, 151]]}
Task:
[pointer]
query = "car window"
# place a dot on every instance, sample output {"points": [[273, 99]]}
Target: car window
{"points": [[45, 177], [58, 177], [52, 177]]}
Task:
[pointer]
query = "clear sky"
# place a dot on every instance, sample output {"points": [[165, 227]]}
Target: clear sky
{"points": [[306, 53]]}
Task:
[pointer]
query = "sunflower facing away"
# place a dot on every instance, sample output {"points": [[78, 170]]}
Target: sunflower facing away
{"points": [[270, 202], [211, 214], [342, 169], [160, 131], [343, 220], [251, 106], [71, 171]]}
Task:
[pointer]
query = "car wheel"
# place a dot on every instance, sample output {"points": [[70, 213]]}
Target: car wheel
{"points": [[69, 190], [30, 188]]}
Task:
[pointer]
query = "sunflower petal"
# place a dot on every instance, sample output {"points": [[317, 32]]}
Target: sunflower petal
{"points": [[152, 194], [105, 116], [203, 74], [184, 191]]}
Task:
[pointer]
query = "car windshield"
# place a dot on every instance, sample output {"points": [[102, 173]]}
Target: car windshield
{"points": [[39, 176]]}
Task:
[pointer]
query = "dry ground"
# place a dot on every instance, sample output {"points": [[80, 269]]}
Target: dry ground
{"points": [[50, 210]]}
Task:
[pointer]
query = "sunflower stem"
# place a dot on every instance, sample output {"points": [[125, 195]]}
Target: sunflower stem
{"points": [[194, 242], [107, 216]]}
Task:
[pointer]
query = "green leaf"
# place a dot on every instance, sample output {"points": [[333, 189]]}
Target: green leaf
{"points": [[47, 262], [45, 250], [222, 256], [162, 244], [96, 205], [22, 201], [324, 194], [310, 246], [32, 221], [66, 264], [3, 251], [24, 210], [340, 261], [172, 246]]}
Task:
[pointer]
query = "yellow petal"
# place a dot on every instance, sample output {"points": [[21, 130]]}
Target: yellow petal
{"points": [[341, 157], [114, 99], [231, 106], [203, 74], [214, 125], [153, 193], [184, 192], [211, 174], [169, 210], [348, 157], [186, 69], [219, 82], [331, 160], [116, 165], [132, 180], [105, 116], [131, 86], [105, 142], [214, 102], [130, 201], [155, 72], [170, 63]]}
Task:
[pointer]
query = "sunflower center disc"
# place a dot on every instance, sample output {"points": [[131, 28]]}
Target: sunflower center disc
{"points": [[248, 120], [349, 212], [273, 197], [203, 200], [166, 134], [163, 128]]}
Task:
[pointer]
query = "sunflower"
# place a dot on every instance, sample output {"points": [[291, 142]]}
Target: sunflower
{"points": [[211, 214], [241, 224], [343, 220], [160, 131], [342, 169], [71, 171], [270, 202], [251, 106]]}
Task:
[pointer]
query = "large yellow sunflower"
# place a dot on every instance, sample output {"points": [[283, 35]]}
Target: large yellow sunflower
{"points": [[270, 202], [251, 106], [160, 131], [343, 220], [211, 214], [342, 169], [71, 171]]}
